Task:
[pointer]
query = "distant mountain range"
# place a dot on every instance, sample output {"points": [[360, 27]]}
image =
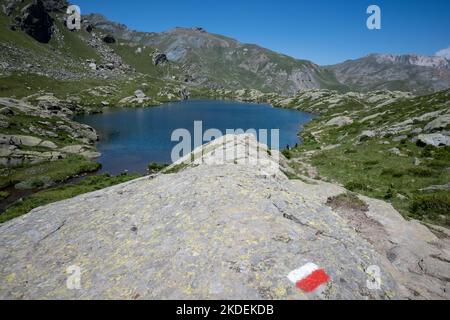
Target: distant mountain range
{"points": [[413, 73], [203, 59], [221, 61]]}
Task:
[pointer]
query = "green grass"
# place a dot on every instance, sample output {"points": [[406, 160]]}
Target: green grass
{"points": [[434, 207], [46, 174], [175, 169], [42, 198], [4, 195], [156, 167], [371, 170]]}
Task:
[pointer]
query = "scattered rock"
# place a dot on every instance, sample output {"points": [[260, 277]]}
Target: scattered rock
{"points": [[399, 138], [395, 151], [417, 131], [48, 144], [445, 187], [417, 161]]}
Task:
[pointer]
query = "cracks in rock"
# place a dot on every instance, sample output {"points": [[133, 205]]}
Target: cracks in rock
{"points": [[52, 232], [438, 257], [294, 219]]}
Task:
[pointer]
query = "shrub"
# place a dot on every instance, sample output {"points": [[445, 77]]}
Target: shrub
{"points": [[287, 154], [432, 205], [427, 151], [371, 162], [355, 186], [420, 172], [390, 193], [396, 173], [4, 195], [349, 151], [42, 198], [156, 167]]}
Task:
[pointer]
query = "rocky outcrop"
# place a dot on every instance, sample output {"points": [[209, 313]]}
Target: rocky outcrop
{"points": [[339, 121], [184, 94], [433, 139], [159, 58], [39, 142], [36, 21], [221, 228], [412, 73], [109, 39], [438, 124]]}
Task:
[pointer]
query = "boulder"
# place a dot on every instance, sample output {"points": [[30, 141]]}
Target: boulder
{"points": [[184, 94], [431, 189], [56, 5], [339, 121], [395, 151], [433, 139], [109, 39], [7, 111], [366, 135], [48, 144], [36, 21], [417, 131], [75, 149], [18, 140], [159, 58], [139, 94], [399, 138], [438, 124]]}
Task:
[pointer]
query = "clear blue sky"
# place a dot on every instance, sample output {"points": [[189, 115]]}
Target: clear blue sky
{"points": [[324, 31]]}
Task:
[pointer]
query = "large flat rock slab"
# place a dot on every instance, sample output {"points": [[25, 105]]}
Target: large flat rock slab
{"points": [[211, 231]]}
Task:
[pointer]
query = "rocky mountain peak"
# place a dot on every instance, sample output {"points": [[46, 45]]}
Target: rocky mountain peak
{"points": [[413, 59]]}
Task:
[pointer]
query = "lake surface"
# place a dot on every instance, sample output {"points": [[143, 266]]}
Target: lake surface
{"points": [[132, 138]]}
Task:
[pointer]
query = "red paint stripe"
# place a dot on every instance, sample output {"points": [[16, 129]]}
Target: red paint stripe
{"points": [[313, 281]]}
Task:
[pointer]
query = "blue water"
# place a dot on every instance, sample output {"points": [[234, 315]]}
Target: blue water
{"points": [[132, 138]]}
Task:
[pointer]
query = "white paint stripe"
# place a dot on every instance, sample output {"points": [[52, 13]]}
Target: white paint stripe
{"points": [[301, 273]]}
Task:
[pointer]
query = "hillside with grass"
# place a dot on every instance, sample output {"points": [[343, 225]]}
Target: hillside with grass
{"points": [[386, 145]]}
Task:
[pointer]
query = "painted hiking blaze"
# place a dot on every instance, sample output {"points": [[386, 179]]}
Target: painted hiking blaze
{"points": [[309, 277]]}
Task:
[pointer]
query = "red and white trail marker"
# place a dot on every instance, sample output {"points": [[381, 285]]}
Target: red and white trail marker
{"points": [[309, 277]]}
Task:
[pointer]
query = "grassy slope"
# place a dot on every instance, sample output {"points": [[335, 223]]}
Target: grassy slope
{"points": [[37, 176], [370, 168], [42, 198]]}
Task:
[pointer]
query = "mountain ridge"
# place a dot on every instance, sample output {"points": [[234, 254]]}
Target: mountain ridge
{"points": [[420, 68]]}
